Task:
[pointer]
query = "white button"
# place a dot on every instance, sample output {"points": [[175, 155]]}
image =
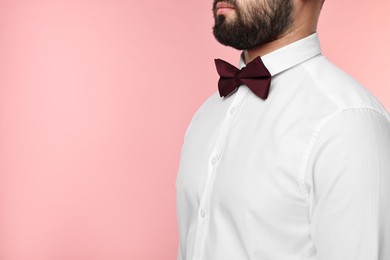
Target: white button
{"points": [[232, 110], [203, 213], [214, 160]]}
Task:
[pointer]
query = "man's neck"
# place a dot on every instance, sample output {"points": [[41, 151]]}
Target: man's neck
{"points": [[305, 23]]}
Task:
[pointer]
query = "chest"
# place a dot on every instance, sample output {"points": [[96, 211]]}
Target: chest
{"points": [[242, 156]]}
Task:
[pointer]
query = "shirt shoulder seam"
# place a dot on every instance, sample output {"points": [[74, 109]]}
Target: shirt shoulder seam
{"points": [[313, 139]]}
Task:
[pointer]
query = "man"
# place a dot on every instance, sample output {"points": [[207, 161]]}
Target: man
{"points": [[290, 158]]}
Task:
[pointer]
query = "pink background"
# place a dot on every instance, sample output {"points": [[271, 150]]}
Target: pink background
{"points": [[95, 97]]}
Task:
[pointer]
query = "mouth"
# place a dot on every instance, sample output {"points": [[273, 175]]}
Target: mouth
{"points": [[223, 8]]}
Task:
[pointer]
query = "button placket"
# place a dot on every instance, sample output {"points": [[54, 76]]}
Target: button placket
{"points": [[204, 207]]}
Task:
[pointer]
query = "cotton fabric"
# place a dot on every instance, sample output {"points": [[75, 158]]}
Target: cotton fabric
{"points": [[304, 174]]}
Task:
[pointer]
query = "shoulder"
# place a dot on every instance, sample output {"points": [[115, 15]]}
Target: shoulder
{"points": [[353, 127], [340, 88]]}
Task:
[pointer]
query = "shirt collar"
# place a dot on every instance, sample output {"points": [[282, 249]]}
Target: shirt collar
{"points": [[290, 55]]}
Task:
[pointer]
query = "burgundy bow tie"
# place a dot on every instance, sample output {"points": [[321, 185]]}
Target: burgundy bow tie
{"points": [[254, 75]]}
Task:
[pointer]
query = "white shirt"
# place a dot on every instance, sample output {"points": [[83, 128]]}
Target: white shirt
{"points": [[304, 174]]}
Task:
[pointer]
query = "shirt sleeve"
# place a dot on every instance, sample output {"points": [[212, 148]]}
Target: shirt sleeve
{"points": [[350, 187]]}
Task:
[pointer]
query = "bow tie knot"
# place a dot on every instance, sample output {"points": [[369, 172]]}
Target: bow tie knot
{"points": [[254, 75], [237, 77]]}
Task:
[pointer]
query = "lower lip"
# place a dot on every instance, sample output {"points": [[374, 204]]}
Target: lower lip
{"points": [[224, 10]]}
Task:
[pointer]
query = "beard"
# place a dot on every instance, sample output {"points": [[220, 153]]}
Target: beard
{"points": [[254, 24]]}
